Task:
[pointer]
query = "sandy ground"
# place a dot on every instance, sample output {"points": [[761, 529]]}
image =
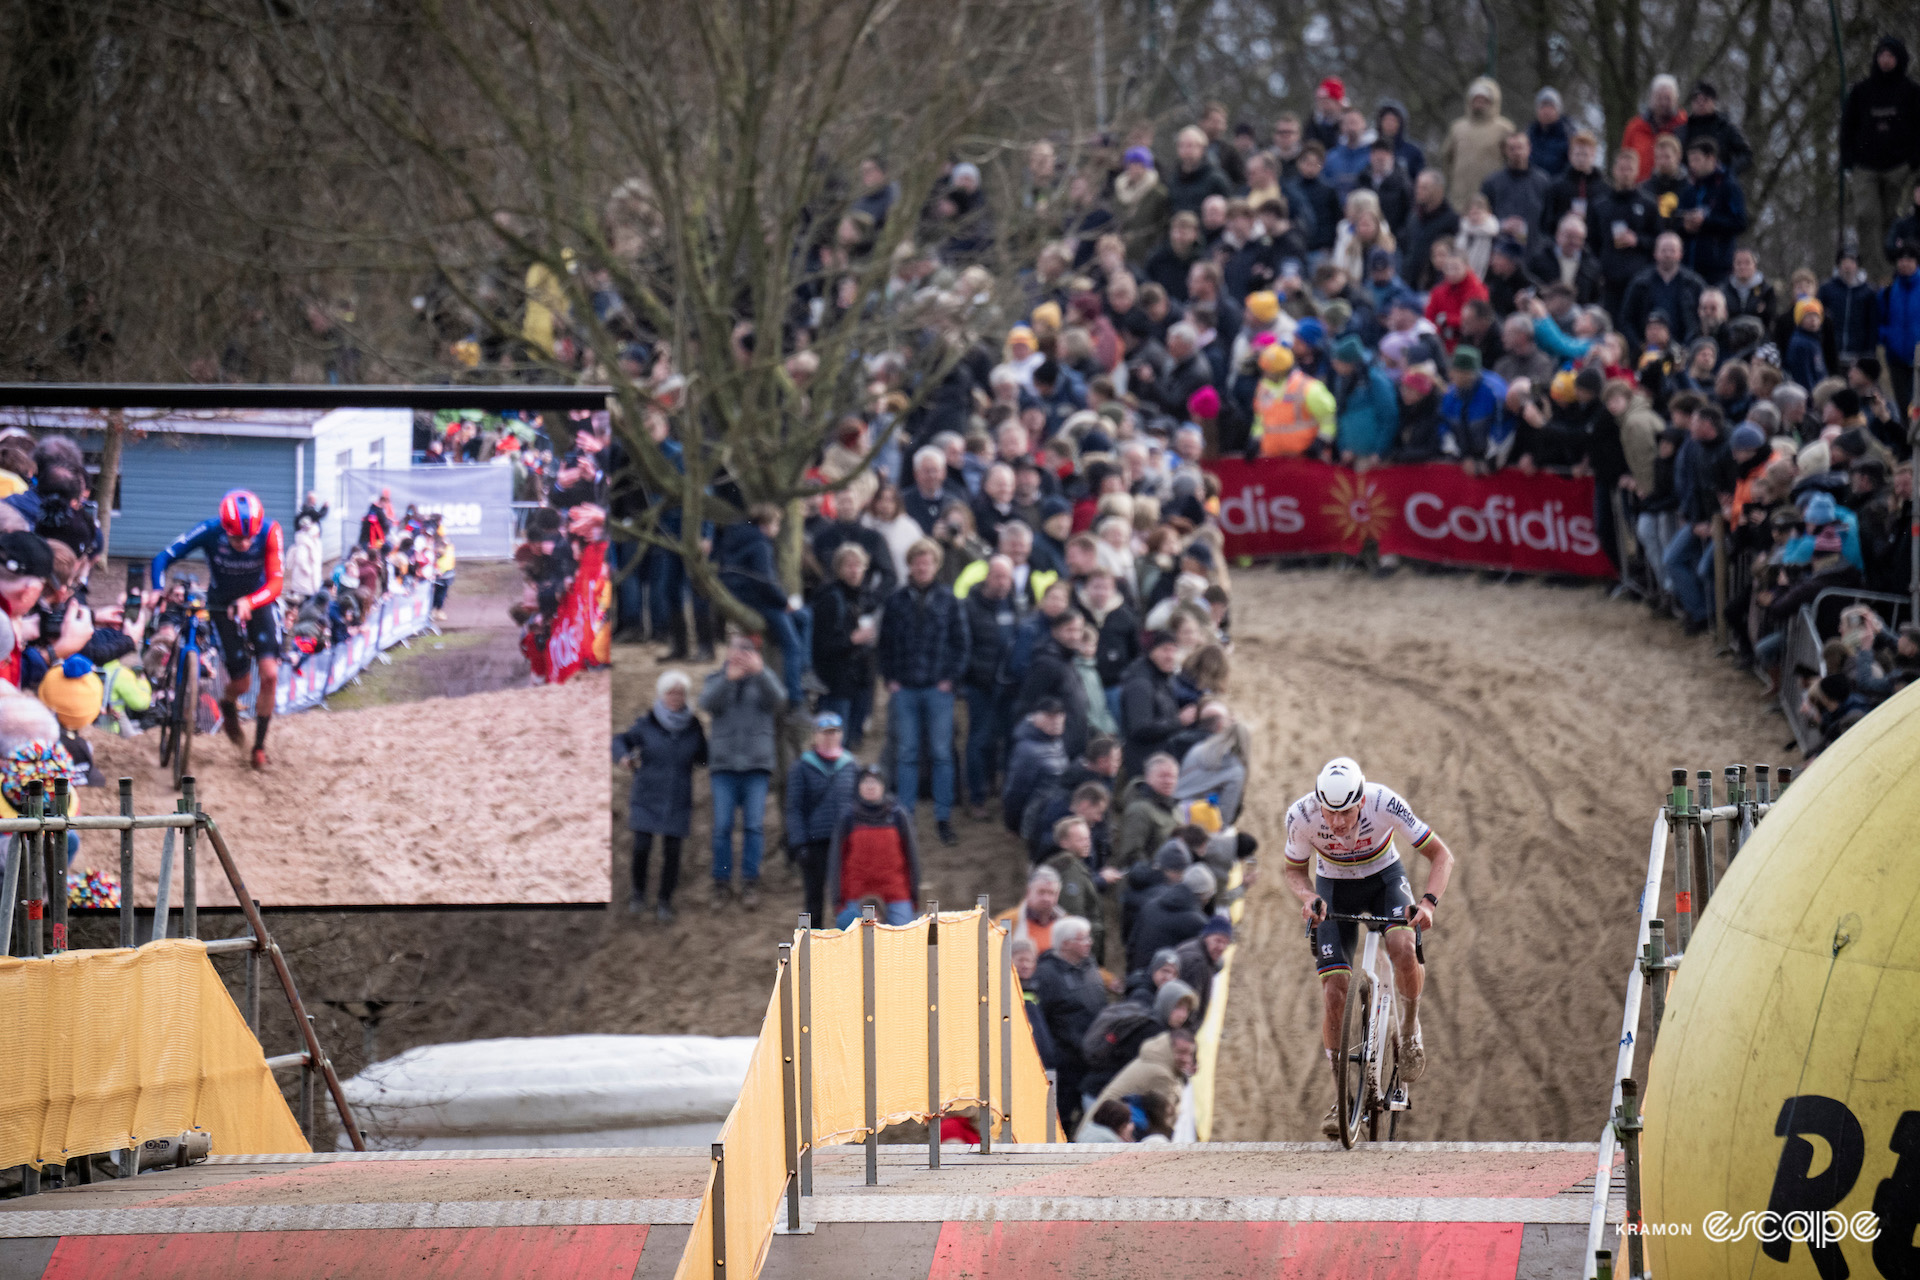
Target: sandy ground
{"points": [[399, 794], [1532, 725], [1534, 728]]}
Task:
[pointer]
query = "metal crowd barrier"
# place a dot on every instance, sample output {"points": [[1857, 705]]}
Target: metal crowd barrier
{"points": [[33, 888], [1806, 647], [1697, 831]]}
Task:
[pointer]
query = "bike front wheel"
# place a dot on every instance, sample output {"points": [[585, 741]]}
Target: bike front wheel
{"points": [[185, 706], [1356, 1042]]}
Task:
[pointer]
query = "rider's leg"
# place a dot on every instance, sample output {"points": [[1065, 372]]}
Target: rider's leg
{"points": [[1408, 974], [1333, 991], [264, 704]]}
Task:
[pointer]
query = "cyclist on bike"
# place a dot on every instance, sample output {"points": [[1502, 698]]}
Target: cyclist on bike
{"points": [[243, 550], [1349, 829]]}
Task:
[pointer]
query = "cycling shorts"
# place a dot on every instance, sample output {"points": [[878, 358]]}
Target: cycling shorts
{"points": [[1384, 893], [262, 637]]}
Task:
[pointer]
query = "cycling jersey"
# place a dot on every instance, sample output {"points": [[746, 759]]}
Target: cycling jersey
{"points": [[1383, 815], [252, 573]]}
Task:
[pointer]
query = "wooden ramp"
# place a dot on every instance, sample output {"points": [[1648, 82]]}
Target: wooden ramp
{"points": [[1399, 1211]]}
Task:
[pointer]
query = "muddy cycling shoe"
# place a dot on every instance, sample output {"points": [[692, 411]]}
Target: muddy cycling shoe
{"points": [[260, 759], [1331, 1125], [1413, 1056], [230, 722]]}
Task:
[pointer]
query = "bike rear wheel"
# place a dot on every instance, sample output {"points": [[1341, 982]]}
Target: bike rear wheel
{"points": [[1356, 1049], [186, 705]]}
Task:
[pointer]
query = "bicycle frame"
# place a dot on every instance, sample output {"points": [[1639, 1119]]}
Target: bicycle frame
{"points": [[1383, 1023], [1380, 1091]]}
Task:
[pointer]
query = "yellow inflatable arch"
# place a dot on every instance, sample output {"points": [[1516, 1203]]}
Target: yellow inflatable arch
{"points": [[1783, 1099]]}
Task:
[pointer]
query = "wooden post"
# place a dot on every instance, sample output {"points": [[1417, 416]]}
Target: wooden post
{"points": [[867, 931], [1007, 985], [986, 1032], [934, 1108], [790, 1126], [126, 867]]}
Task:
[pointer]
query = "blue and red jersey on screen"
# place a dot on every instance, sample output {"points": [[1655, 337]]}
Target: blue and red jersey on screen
{"points": [[252, 573]]}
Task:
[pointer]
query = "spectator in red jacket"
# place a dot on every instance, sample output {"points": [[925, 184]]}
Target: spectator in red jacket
{"points": [[1457, 287], [873, 858]]}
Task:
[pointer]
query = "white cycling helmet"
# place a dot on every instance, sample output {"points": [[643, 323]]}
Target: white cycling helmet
{"points": [[1340, 785]]}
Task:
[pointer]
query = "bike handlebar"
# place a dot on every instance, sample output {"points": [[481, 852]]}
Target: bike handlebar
{"points": [[1419, 946]]}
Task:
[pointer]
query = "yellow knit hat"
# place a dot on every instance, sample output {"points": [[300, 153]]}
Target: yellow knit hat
{"points": [[1263, 306], [1276, 361]]}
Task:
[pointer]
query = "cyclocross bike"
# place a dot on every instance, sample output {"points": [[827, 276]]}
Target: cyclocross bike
{"points": [[1369, 1070], [180, 698]]}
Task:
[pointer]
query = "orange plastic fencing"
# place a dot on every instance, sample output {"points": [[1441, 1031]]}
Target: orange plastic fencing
{"points": [[753, 1172], [106, 1048]]}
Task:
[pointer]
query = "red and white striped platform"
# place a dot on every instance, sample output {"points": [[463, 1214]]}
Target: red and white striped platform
{"points": [[1391, 1211]]}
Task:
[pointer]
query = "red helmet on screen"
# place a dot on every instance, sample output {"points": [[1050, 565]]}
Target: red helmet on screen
{"points": [[241, 514]]}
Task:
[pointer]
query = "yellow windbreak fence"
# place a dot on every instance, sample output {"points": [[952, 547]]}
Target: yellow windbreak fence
{"points": [[106, 1048], [831, 966], [1206, 1040]]}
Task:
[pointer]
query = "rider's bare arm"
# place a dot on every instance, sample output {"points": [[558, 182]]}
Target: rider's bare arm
{"points": [[1299, 882], [1439, 872]]}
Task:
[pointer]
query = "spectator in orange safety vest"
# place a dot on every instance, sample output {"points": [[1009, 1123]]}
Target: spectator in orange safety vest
{"points": [[1293, 412]]}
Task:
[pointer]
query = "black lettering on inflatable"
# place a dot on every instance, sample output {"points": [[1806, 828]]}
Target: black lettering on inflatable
{"points": [[1897, 1203], [1796, 1189]]}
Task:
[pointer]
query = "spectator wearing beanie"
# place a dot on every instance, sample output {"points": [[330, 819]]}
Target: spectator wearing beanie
{"points": [[1172, 915], [820, 786], [1201, 958], [663, 747], [873, 857]]}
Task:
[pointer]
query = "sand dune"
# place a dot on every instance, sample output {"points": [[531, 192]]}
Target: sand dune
{"points": [[1533, 727]]}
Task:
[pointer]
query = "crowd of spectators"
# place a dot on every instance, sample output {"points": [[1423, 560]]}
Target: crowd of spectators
{"points": [[1031, 566], [571, 513]]}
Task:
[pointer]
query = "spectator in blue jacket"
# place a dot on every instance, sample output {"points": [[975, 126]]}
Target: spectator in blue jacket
{"points": [[1805, 363], [1347, 161], [1548, 136], [923, 656], [819, 790], [1703, 472], [1900, 322], [1713, 212], [1850, 307], [663, 748], [744, 555], [1470, 412], [1368, 416]]}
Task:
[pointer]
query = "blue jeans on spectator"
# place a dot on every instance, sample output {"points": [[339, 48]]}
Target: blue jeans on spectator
{"points": [[897, 913], [629, 590], [746, 792], [984, 733], [670, 595], [1689, 562], [792, 630], [1655, 530], [853, 713], [912, 713]]}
